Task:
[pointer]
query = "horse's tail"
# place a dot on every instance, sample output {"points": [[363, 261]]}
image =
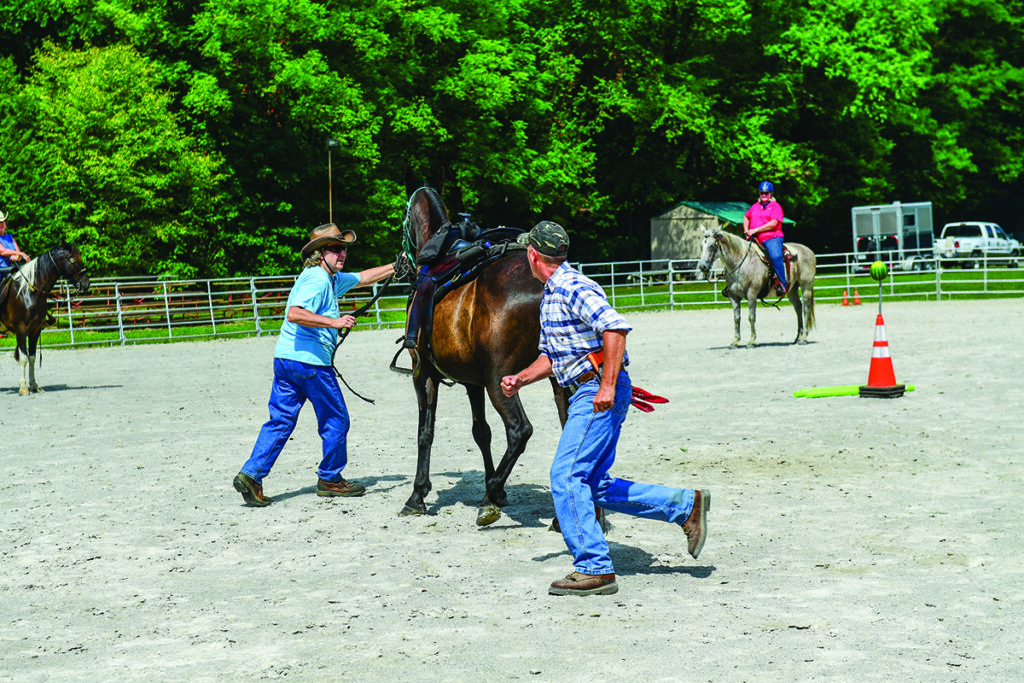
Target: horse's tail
{"points": [[810, 312]]}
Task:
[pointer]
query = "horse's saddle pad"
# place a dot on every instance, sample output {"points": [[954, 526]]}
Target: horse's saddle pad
{"points": [[468, 259]]}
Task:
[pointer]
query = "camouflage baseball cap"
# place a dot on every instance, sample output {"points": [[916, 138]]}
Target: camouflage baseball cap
{"points": [[547, 237]]}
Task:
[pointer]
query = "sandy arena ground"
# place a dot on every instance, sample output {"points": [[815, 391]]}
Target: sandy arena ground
{"points": [[849, 539]]}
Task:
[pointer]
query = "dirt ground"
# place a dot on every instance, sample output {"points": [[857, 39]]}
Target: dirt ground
{"points": [[849, 539]]}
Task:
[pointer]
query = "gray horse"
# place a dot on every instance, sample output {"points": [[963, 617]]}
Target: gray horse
{"points": [[747, 277]]}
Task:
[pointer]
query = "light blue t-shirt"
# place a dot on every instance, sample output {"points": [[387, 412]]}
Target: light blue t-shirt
{"points": [[317, 292]]}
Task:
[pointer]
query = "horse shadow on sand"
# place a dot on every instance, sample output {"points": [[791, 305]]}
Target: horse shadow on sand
{"points": [[374, 486], [529, 505], [54, 388], [759, 345]]}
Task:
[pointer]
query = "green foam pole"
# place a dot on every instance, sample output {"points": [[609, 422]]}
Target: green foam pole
{"points": [[824, 392]]}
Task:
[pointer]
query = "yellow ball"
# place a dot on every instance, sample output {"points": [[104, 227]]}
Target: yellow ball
{"points": [[879, 271]]}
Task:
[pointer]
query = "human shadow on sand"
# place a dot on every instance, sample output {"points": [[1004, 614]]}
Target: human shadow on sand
{"points": [[630, 560]]}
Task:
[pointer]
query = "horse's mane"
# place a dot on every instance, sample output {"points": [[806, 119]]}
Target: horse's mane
{"points": [[734, 242], [23, 278]]}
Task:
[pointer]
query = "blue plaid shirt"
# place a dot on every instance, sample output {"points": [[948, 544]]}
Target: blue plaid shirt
{"points": [[574, 314]]}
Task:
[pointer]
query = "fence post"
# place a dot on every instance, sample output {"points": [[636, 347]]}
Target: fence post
{"points": [[209, 302], [71, 322], [255, 306], [120, 314], [671, 285], [167, 311], [643, 300]]}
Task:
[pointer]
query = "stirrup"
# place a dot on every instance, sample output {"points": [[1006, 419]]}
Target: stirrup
{"points": [[414, 370]]}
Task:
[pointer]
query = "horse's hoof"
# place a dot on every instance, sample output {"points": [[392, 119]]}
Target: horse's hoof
{"points": [[410, 511], [36, 389], [751, 344], [801, 342], [735, 344], [488, 514], [23, 391]]}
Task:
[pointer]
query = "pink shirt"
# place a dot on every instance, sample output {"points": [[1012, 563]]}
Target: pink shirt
{"points": [[759, 214]]}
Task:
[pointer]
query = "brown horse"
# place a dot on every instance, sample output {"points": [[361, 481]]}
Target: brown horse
{"points": [[24, 302], [482, 331]]}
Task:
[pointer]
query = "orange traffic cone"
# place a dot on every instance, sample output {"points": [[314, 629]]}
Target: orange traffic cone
{"points": [[881, 376], [846, 299], [856, 298]]}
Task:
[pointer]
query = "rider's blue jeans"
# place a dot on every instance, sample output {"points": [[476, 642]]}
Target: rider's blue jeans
{"points": [[580, 479], [294, 382], [774, 249]]}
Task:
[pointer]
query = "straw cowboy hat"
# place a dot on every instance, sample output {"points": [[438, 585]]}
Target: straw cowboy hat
{"points": [[3, 216], [326, 234]]}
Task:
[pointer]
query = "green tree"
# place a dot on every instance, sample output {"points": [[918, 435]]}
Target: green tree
{"points": [[111, 168]]}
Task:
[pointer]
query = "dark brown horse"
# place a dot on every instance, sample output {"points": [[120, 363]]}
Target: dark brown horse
{"points": [[24, 302], [482, 331]]}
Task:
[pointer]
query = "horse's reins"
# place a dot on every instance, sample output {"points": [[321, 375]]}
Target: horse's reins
{"points": [[28, 281], [728, 272], [343, 334], [31, 285]]}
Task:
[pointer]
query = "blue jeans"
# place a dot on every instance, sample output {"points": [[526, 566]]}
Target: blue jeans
{"points": [[294, 382], [774, 249], [580, 479]]}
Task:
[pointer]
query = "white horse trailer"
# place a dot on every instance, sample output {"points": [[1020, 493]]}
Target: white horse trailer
{"points": [[898, 234]]}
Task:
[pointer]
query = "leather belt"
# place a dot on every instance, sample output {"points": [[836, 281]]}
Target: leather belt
{"points": [[574, 385]]}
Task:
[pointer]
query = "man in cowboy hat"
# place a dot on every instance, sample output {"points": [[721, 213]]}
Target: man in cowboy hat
{"points": [[303, 370]]}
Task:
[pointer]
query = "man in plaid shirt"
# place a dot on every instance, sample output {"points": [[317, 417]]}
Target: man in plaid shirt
{"points": [[577, 320]]}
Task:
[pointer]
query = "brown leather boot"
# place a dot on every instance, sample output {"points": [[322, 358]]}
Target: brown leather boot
{"points": [[251, 490], [578, 583], [338, 488], [696, 525]]}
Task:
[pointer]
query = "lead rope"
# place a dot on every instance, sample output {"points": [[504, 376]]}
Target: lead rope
{"points": [[343, 334]]}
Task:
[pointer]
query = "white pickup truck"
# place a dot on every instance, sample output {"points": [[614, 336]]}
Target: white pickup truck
{"points": [[970, 242]]}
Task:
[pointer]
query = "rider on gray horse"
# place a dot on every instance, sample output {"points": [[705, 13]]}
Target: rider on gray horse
{"points": [[763, 221]]}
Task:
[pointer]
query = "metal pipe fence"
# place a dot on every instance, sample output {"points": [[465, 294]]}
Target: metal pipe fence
{"points": [[139, 310]]}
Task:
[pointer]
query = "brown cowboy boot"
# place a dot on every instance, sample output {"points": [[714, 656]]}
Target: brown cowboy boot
{"points": [[578, 583]]}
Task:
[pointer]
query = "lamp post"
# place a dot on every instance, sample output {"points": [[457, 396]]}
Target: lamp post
{"points": [[332, 144]]}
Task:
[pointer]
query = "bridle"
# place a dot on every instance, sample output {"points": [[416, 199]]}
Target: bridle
{"points": [[75, 278], [716, 246], [78, 273], [409, 245]]}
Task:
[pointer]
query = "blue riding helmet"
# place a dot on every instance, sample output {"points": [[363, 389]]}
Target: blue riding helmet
{"points": [[766, 187]]}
